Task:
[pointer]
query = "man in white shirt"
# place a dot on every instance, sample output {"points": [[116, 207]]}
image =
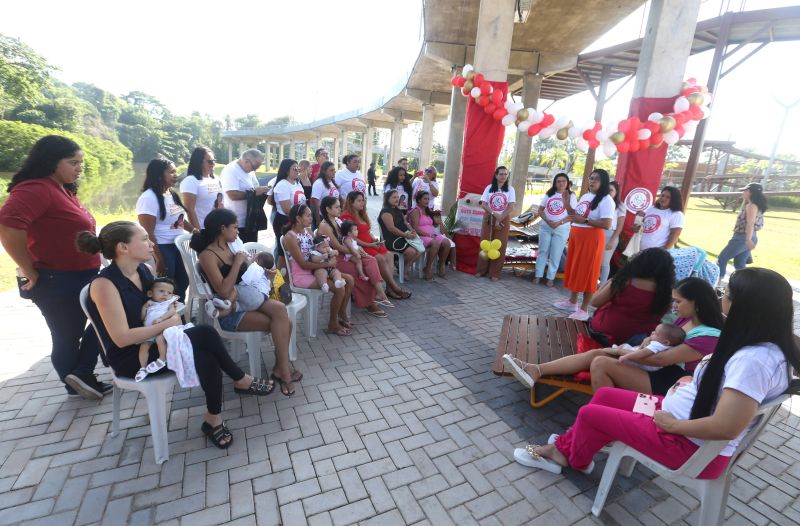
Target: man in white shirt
{"points": [[237, 178], [350, 179]]}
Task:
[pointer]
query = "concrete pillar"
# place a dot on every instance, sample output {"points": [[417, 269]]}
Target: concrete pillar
{"points": [[493, 40], [279, 157], [292, 149], [455, 145], [230, 151], [397, 135], [367, 147], [242, 148], [426, 137], [343, 143], [336, 155], [531, 86]]}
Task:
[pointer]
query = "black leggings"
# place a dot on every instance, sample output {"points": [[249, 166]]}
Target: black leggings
{"points": [[277, 228], [210, 357]]}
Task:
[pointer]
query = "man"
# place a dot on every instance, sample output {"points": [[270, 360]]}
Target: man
{"points": [[350, 179], [403, 163], [321, 155], [426, 182], [371, 180], [237, 178]]}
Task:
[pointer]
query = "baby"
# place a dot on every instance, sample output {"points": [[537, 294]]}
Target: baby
{"points": [[350, 240], [665, 336], [261, 274], [160, 307], [322, 253]]}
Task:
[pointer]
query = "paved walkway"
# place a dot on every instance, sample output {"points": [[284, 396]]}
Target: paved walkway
{"points": [[403, 423]]}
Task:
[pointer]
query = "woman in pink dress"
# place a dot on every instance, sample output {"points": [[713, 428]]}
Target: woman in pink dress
{"points": [[421, 220]]}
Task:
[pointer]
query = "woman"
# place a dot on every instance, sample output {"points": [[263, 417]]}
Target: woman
{"points": [[304, 168], [223, 270], [116, 299], [323, 187], [397, 180], [749, 221], [38, 225], [554, 230], [396, 231], [426, 183], [286, 193], [161, 213], [355, 209], [750, 366], [496, 201], [663, 222], [613, 232], [421, 220], [299, 243], [368, 294], [199, 189], [589, 220]]}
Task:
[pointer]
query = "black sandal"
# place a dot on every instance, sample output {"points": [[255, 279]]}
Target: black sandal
{"points": [[283, 384], [217, 435], [259, 387]]}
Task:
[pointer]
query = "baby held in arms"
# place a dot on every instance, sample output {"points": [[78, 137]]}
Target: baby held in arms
{"points": [[160, 307], [665, 336], [322, 253]]}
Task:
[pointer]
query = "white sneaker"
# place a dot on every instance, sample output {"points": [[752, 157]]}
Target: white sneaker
{"points": [[211, 310], [579, 314], [325, 287], [565, 305], [339, 283]]}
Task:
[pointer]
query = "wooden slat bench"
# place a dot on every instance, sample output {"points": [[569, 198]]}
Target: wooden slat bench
{"points": [[536, 339]]}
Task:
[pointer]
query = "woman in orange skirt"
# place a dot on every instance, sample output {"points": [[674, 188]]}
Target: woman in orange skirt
{"points": [[589, 219], [496, 201]]}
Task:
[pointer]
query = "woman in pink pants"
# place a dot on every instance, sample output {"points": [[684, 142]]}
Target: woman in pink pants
{"points": [[748, 367]]}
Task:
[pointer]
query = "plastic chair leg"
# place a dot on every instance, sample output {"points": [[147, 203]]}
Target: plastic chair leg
{"points": [[713, 501], [254, 354], [313, 312], [116, 394], [293, 339], [401, 264], [609, 473], [626, 466], [156, 408]]}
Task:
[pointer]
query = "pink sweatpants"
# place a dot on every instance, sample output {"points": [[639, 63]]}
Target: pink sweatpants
{"points": [[609, 417]]}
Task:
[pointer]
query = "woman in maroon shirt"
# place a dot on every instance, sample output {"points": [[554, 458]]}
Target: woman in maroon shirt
{"points": [[38, 226]]}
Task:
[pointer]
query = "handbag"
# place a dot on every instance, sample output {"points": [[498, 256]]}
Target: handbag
{"points": [[416, 243], [281, 290]]}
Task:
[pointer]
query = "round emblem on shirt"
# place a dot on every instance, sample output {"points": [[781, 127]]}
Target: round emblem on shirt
{"points": [[651, 223], [359, 185], [333, 192], [555, 206], [498, 202], [638, 200], [299, 197], [583, 208]]}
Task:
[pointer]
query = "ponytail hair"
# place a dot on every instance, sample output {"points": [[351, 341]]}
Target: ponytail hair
{"points": [[295, 212], [106, 242], [213, 224]]}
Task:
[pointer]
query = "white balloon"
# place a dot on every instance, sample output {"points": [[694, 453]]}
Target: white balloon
{"points": [[547, 133], [536, 116], [681, 104], [509, 103], [601, 135], [561, 122], [582, 144], [574, 132], [609, 148], [466, 69], [517, 106], [476, 92], [523, 126], [509, 119], [671, 137], [655, 116], [644, 134]]}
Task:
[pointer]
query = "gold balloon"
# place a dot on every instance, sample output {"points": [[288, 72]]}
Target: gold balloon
{"points": [[522, 115], [696, 99], [667, 124], [469, 75], [562, 134], [483, 255], [468, 85], [617, 137]]}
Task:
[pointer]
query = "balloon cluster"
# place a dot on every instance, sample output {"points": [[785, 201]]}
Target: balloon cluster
{"points": [[628, 135], [490, 249]]}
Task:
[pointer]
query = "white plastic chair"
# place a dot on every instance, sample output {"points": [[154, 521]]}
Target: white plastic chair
{"points": [[314, 298], [195, 293], [299, 302], [154, 389], [713, 494]]}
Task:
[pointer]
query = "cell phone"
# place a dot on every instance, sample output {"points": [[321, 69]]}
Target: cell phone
{"points": [[645, 404], [21, 282]]}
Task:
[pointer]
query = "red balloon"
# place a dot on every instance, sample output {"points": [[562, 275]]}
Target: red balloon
{"points": [[594, 143], [656, 138], [623, 147], [547, 120], [635, 123], [631, 135], [461, 82], [454, 81], [680, 131], [624, 126], [690, 90], [644, 143], [534, 130], [588, 135], [497, 96], [652, 126], [483, 100], [633, 146], [499, 114], [697, 113], [465, 92], [491, 107], [478, 79], [486, 88]]}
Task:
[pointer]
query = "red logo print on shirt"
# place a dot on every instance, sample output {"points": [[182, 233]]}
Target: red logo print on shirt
{"points": [[299, 197], [583, 208], [555, 206], [359, 185], [333, 191], [651, 223], [498, 202]]}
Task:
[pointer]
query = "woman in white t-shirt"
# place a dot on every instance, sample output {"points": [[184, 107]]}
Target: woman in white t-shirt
{"points": [[613, 232], [496, 201], [749, 367], [426, 183], [663, 222], [286, 193], [323, 187], [554, 230], [201, 192], [161, 213], [589, 219], [397, 179]]}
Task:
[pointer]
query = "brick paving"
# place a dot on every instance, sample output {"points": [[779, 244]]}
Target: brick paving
{"points": [[403, 423]]}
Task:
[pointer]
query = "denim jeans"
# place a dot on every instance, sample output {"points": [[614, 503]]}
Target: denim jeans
{"points": [[737, 250], [75, 348], [551, 247], [173, 268]]}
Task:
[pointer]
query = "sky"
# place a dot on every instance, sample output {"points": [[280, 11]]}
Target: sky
{"points": [[316, 58]]}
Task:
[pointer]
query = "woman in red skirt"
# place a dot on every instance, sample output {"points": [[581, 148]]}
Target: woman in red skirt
{"points": [[590, 219]]}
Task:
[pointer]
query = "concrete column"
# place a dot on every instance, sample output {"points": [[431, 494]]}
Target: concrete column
{"points": [[493, 41], [397, 136], [336, 154], [426, 137], [343, 143], [242, 148], [230, 151], [455, 145], [367, 142], [531, 86], [279, 157], [293, 149]]}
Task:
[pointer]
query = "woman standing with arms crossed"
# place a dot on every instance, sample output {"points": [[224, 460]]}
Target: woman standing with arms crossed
{"points": [[38, 226], [323, 187], [589, 219], [286, 193], [199, 189], [749, 221], [612, 234], [496, 201], [554, 231]]}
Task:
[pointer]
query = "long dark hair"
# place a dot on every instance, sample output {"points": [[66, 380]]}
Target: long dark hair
{"points": [[761, 311], [706, 303], [213, 224], [651, 263], [196, 162], [616, 197], [324, 168], [418, 198], [283, 170], [295, 212], [387, 195], [348, 206], [552, 191], [675, 200], [758, 198], [494, 180], [605, 179], [43, 159], [326, 203], [154, 180], [393, 179]]}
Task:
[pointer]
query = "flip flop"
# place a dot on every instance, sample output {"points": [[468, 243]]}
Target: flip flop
{"points": [[341, 331], [347, 324], [518, 371], [377, 313], [528, 457], [384, 303]]}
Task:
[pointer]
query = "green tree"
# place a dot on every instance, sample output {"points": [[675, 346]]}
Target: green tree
{"points": [[23, 74]]}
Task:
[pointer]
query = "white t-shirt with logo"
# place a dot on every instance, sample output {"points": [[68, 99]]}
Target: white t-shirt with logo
{"points": [[234, 177], [287, 191], [657, 224], [757, 371], [554, 209], [207, 190], [621, 212], [498, 201], [348, 181], [318, 190], [171, 226], [401, 191], [421, 185], [604, 210]]}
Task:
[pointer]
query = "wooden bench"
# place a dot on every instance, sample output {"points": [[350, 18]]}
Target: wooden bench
{"points": [[535, 339]]}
